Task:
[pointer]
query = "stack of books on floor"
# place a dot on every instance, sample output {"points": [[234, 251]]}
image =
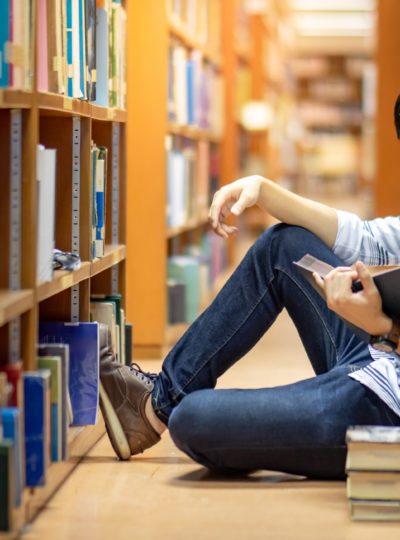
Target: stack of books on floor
{"points": [[373, 472]]}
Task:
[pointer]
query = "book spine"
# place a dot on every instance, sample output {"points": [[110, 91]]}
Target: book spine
{"points": [[4, 42], [70, 69]]}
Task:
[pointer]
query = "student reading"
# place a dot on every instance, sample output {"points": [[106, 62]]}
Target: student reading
{"points": [[298, 428]]}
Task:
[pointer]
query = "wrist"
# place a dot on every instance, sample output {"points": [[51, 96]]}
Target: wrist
{"points": [[387, 341]]}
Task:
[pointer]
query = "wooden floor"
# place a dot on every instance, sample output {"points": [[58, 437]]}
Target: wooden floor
{"points": [[164, 495]]}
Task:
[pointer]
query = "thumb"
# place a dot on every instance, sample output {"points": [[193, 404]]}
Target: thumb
{"points": [[365, 277]]}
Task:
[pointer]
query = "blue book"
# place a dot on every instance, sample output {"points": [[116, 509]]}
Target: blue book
{"points": [[190, 91], [82, 50], [36, 437], [4, 38], [69, 49], [186, 270], [83, 341], [12, 429], [102, 56]]}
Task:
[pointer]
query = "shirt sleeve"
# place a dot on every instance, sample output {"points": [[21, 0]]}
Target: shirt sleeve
{"points": [[375, 242]]}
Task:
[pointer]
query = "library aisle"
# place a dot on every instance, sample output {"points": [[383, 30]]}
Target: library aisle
{"points": [[163, 494]]}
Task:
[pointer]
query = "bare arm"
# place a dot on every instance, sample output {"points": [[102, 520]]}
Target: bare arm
{"points": [[279, 202]]}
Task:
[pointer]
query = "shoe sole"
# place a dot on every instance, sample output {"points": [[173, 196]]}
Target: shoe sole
{"points": [[114, 429]]}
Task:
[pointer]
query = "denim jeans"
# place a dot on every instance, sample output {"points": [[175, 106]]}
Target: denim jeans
{"points": [[297, 428]]}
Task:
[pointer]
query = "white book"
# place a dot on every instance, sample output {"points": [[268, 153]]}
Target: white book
{"points": [[179, 62], [76, 61], [46, 177], [104, 312]]}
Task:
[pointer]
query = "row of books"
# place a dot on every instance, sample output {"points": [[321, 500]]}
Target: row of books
{"points": [[46, 173], [63, 392], [16, 31], [200, 19], [81, 50], [373, 472], [190, 277], [193, 171], [195, 90]]}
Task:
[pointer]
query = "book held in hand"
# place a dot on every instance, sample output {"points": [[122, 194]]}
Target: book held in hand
{"points": [[387, 282]]}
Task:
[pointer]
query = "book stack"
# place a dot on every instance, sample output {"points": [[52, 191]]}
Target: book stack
{"points": [[373, 472], [16, 31], [99, 188], [80, 50]]}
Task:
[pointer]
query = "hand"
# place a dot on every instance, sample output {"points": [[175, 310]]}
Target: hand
{"points": [[362, 308], [233, 199]]}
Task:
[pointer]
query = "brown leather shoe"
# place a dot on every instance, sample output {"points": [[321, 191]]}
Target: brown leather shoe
{"points": [[123, 395]]}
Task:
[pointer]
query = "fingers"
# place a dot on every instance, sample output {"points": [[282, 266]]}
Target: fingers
{"points": [[365, 277]]}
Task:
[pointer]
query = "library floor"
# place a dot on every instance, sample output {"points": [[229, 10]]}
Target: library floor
{"points": [[163, 495]]}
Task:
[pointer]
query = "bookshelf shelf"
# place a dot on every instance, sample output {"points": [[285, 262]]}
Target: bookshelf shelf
{"points": [[192, 132], [112, 255], [19, 99], [62, 105], [81, 440], [108, 113], [62, 281], [14, 303], [189, 226]]}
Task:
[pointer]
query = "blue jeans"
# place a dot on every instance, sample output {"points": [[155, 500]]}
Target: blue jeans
{"points": [[297, 428]]}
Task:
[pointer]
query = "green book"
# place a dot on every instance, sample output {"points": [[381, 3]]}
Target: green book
{"points": [[53, 363], [186, 270], [6, 484]]}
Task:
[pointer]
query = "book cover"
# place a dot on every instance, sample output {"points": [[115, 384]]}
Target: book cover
{"points": [[102, 53], [365, 510], [61, 351], [6, 484], [90, 24], [14, 377], [128, 343], [176, 292], [46, 177], [100, 203], [20, 16], [35, 388], [186, 270], [12, 429], [386, 281], [82, 52], [4, 41], [83, 341], [105, 312], [76, 60], [69, 46], [54, 46], [12, 15], [116, 299], [42, 48], [53, 364]]}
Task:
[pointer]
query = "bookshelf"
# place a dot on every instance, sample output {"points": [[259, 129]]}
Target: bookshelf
{"points": [[30, 117], [150, 240]]}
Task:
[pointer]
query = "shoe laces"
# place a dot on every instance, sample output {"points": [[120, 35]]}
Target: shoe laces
{"points": [[143, 376]]}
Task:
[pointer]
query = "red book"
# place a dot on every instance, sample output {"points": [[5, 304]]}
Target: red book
{"points": [[14, 377]]}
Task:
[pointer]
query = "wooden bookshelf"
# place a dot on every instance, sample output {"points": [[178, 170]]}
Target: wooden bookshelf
{"points": [[48, 119]]}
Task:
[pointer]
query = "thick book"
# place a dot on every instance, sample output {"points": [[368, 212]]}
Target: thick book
{"points": [[186, 270], [53, 364], [42, 48], [116, 299], [375, 448], [83, 341], [6, 484], [364, 510], [36, 435], [61, 350], [373, 485], [102, 53], [12, 429], [14, 377], [386, 281], [46, 177], [105, 312]]}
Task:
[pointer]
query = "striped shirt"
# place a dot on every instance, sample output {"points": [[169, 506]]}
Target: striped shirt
{"points": [[375, 242]]}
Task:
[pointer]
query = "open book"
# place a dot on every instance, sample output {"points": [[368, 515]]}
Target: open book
{"points": [[387, 282]]}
